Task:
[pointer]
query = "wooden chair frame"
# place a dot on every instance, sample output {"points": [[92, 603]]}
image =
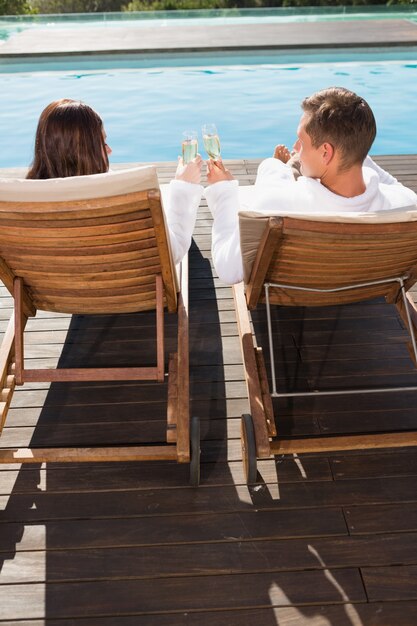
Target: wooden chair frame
{"points": [[92, 373], [275, 280], [182, 438]]}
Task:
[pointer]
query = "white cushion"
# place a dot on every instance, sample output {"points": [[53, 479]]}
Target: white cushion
{"points": [[247, 196], [113, 183]]}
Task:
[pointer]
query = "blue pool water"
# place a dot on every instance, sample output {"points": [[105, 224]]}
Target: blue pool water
{"points": [[146, 108]]}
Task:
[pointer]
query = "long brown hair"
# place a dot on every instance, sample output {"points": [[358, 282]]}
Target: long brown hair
{"points": [[69, 142]]}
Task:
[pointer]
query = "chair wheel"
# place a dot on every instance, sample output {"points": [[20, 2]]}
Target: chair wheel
{"points": [[195, 451], [248, 449]]}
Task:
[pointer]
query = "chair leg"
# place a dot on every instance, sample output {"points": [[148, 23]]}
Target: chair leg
{"points": [[266, 396], [160, 339], [248, 448], [270, 338], [183, 414], [408, 312], [6, 395], [7, 378], [19, 328], [253, 383]]}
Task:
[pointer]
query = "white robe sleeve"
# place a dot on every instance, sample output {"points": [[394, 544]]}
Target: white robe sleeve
{"points": [[181, 201], [225, 199], [272, 173], [223, 202]]}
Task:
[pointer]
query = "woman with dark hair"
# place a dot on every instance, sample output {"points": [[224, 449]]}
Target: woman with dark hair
{"points": [[71, 141]]}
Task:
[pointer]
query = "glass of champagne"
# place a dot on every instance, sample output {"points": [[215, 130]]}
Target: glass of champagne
{"points": [[211, 141], [189, 146]]}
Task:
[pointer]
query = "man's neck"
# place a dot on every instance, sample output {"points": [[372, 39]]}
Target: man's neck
{"points": [[347, 184]]}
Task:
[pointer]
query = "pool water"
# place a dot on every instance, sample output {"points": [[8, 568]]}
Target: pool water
{"points": [[145, 109]]}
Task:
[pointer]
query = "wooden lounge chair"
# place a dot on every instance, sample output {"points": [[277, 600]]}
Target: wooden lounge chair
{"points": [[92, 245], [300, 262]]}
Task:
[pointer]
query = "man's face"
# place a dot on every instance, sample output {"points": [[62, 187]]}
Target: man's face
{"points": [[311, 158]]}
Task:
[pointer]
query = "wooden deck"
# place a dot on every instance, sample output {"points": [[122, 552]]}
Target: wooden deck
{"points": [[323, 540]]}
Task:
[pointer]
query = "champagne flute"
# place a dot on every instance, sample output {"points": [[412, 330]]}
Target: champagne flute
{"points": [[189, 146], [211, 141]]}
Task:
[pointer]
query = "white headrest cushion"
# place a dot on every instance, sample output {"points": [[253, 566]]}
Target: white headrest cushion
{"points": [[113, 183]]}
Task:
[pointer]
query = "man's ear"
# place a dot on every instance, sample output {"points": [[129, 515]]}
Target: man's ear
{"points": [[328, 152]]}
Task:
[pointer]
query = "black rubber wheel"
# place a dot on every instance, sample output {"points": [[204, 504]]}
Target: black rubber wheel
{"points": [[195, 451], [248, 449]]}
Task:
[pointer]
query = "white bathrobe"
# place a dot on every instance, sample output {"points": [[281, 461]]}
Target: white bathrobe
{"points": [[180, 201], [277, 193]]}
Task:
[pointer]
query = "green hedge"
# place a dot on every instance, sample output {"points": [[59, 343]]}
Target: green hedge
{"points": [[154, 5], [19, 7], [14, 7]]}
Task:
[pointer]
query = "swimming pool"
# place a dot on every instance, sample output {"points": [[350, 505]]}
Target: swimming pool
{"points": [[146, 108]]}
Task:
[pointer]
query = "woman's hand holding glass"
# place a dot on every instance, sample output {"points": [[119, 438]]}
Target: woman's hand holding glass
{"points": [[189, 172]]}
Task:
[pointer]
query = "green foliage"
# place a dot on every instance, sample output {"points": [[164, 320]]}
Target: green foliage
{"points": [[76, 6], [15, 7], [170, 5], [330, 3], [19, 7]]}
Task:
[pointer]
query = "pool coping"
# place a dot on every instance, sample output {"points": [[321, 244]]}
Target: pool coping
{"points": [[222, 38], [141, 52]]}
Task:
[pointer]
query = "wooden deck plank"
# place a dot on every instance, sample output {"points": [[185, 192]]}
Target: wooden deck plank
{"points": [[211, 560], [370, 422], [374, 465], [386, 518], [375, 614], [162, 501], [179, 594], [171, 530], [394, 583], [119, 476]]}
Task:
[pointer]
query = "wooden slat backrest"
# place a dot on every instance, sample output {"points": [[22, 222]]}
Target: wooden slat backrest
{"points": [[99, 255], [327, 255]]}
